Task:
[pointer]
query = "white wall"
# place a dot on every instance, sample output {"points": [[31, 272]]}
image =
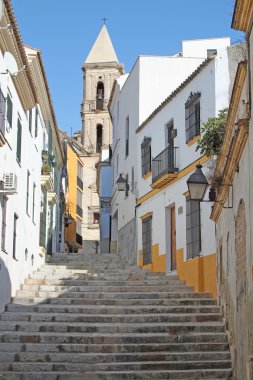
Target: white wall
{"points": [[198, 48], [27, 229]]}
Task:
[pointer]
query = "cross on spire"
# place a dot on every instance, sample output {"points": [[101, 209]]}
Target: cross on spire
{"points": [[104, 19]]}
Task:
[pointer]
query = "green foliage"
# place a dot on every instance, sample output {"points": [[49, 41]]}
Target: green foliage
{"points": [[45, 169], [212, 134]]}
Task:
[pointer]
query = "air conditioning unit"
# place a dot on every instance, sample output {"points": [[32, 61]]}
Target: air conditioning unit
{"points": [[10, 182]]}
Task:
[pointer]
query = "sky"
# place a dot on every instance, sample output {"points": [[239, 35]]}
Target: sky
{"points": [[65, 31]]}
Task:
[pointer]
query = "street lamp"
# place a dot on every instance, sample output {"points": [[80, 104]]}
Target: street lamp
{"points": [[121, 183], [68, 219], [197, 184]]}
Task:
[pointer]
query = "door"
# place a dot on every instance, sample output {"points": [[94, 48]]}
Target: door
{"points": [[173, 238]]}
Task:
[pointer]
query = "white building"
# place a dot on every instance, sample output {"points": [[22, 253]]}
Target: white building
{"points": [[133, 99], [23, 136], [175, 233]]}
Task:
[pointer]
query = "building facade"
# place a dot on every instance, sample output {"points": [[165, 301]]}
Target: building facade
{"points": [[133, 99], [24, 136], [234, 225], [100, 70]]}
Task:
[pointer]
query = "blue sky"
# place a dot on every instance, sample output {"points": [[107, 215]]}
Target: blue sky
{"points": [[66, 30]]}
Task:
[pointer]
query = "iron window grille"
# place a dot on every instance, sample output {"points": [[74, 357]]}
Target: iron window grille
{"points": [[4, 224], [146, 155], [192, 116], [2, 113], [19, 139], [14, 236], [193, 228], [9, 110], [147, 240]]}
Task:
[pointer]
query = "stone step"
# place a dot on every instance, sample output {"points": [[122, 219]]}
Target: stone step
{"points": [[115, 348], [111, 294], [212, 374], [132, 366], [108, 338], [61, 302], [97, 358], [108, 309], [144, 328], [110, 301], [80, 282], [110, 318], [95, 276]]}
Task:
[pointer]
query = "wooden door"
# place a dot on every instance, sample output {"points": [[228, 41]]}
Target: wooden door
{"points": [[173, 239]]}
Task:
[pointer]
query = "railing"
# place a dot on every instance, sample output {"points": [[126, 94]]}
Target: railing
{"points": [[164, 163], [79, 211], [79, 183]]}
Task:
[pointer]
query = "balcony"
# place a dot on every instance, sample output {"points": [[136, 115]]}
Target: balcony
{"points": [[164, 168]]}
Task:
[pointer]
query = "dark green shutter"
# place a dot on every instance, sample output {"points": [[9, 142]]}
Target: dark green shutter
{"points": [[19, 138]]}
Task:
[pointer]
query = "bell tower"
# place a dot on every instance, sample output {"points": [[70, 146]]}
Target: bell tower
{"points": [[100, 70]]}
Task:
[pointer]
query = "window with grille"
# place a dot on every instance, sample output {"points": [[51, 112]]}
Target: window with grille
{"points": [[192, 116], [14, 250], [79, 209], [193, 228], [147, 240], [36, 122], [79, 175], [4, 209], [79, 238], [127, 137], [27, 191], [19, 139], [9, 110], [30, 120], [33, 211], [146, 155]]}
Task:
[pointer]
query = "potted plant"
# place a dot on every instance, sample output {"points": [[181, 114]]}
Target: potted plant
{"points": [[45, 169]]}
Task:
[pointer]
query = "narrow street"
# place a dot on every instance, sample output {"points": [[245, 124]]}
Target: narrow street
{"points": [[87, 316]]}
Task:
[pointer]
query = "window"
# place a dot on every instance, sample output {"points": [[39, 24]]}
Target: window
{"points": [[146, 155], [2, 113], [192, 116], [147, 240], [99, 138], [27, 191], [30, 120], [100, 96], [132, 181], [4, 208], [36, 122], [127, 136], [14, 236], [33, 212], [79, 209], [80, 175], [96, 218], [9, 110], [193, 228], [19, 138], [127, 186], [79, 238]]}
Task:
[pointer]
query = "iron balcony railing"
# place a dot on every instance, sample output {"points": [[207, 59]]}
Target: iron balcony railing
{"points": [[164, 163]]}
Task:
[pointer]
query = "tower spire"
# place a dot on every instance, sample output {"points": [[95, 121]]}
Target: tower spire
{"points": [[102, 51]]}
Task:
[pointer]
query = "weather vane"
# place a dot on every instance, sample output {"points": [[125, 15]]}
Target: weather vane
{"points": [[104, 19]]}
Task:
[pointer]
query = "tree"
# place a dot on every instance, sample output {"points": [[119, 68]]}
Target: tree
{"points": [[212, 134]]}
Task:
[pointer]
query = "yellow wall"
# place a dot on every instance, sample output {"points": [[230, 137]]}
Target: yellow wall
{"points": [[72, 158], [199, 272], [158, 262]]}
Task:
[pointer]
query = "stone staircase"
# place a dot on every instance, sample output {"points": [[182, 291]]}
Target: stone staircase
{"points": [[92, 317]]}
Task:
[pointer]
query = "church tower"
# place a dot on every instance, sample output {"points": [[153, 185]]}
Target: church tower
{"points": [[100, 70]]}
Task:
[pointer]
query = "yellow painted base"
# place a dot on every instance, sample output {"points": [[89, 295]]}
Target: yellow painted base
{"points": [[158, 261], [199, 272]]}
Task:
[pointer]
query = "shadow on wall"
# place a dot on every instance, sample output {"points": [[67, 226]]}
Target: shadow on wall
{"points": [[5, 285]]}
